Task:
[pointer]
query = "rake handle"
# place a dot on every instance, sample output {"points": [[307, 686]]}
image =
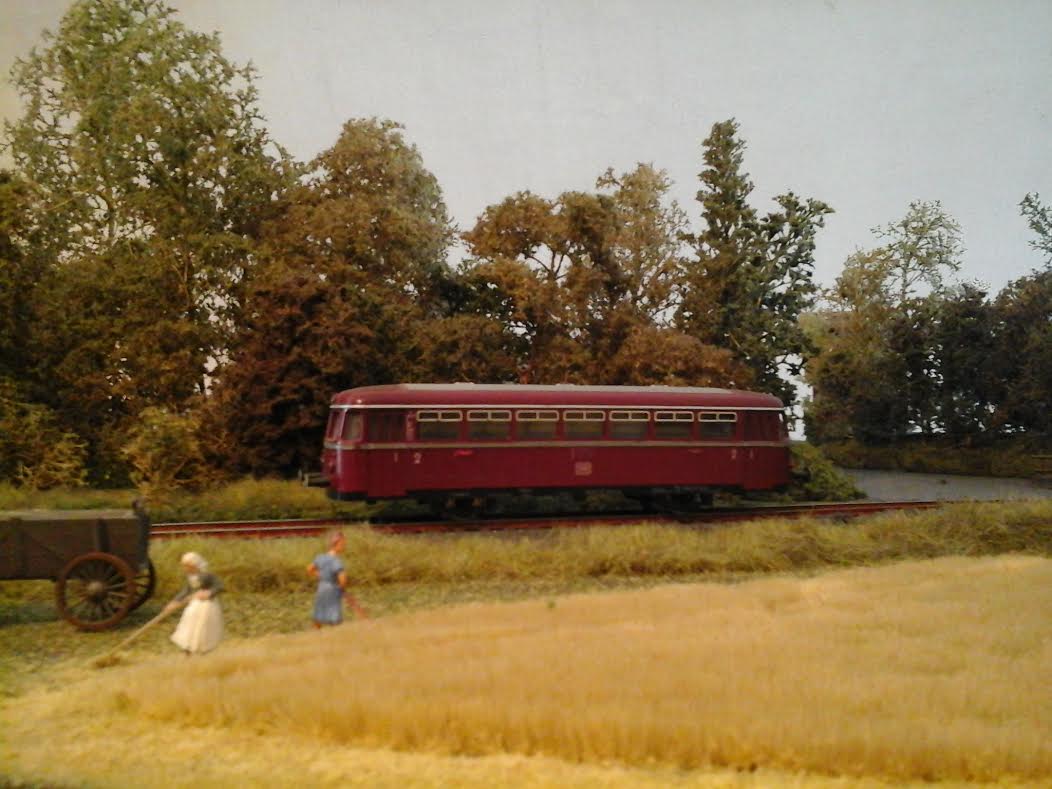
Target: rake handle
{"points": [[156, 620]]}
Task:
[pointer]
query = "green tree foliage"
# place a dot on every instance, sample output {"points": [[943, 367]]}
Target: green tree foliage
{"points": [[752, 276], [854, 372], [355, 267], [35, 450], [20, 271], [588, 285], [877, 370], [146, 151], [1039, 217], [964, 337], [919, 251], [1021, 359]]}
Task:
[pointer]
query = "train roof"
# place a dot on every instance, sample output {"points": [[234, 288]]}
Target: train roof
{"points": [[476, 395]]}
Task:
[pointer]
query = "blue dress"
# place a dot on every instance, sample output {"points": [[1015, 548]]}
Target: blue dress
{"points": [[328, 600]]}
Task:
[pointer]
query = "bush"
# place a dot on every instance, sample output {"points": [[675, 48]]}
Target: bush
{"points": [[165, 453], [815, 478], [35, 451]]}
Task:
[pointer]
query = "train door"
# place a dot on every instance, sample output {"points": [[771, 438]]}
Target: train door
{"points": [[764, 449], [436, 449], [723, 456], [387, 452], [481, 463]]}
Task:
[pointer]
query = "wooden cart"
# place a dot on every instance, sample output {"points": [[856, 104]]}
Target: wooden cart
{"points": [[98, 560]]}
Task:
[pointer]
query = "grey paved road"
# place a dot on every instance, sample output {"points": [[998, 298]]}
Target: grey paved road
{"points": [[902, 486]]}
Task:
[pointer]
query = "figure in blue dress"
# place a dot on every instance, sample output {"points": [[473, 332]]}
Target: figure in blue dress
{"points": [[328, 569]]}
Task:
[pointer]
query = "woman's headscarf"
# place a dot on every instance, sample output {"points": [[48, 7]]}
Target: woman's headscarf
{"points": [[196, 560]]}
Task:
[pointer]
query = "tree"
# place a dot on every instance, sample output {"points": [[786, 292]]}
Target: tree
{"points": [[920, 249], [1039, 217], [752, 276], [877, 362], [355, 267], [521, 258], [20, 272], [587, 282], [964, 338], [1022, 358], [145, 148], [853, 373]]}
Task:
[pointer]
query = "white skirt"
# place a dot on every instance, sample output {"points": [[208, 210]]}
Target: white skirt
{"points": [[200, 628]]}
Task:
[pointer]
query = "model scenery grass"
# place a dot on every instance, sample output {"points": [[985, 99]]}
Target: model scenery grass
{"points": [[888, 670]]}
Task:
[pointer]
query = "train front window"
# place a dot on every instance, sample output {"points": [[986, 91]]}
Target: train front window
{"points": [[583, 425], [672, 425], [717, 424], [489, 425], [332, 429], [536, 425], [352, 426], [438, 425], [629, 425]]}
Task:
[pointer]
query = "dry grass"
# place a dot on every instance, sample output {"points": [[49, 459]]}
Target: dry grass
{"points": [[935, 670], [652, 551]]}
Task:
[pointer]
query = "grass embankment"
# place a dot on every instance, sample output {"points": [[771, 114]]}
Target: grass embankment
{"points": [[658, 551]]}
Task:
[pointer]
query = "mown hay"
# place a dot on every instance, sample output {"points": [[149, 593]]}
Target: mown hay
{"points": [[934, 670]]}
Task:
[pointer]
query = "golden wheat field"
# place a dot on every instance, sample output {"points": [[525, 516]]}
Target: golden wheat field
{"points": [[915, 672]]}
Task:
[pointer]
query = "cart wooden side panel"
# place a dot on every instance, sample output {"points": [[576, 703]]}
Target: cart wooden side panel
{"points": [[98, 559]]}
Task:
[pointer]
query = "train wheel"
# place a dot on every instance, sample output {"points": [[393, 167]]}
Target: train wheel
{"points": [[95, 591], [145, 583]]}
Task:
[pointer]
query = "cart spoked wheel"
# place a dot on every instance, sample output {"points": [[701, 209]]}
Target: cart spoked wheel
{"points": [[145, 583], [95, 591]]}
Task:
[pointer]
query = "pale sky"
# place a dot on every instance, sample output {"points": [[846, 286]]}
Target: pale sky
{"points": [[866, 105]]}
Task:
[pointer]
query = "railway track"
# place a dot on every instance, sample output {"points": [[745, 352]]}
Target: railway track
{"points": [[306, 527]]}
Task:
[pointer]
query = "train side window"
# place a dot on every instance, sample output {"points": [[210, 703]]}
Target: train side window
{"points": [[489, 425], [438, 425], [629, 425], [352, 426], [583, 425], [386, 426], [717, 424], [673, 425], [536, 425]]}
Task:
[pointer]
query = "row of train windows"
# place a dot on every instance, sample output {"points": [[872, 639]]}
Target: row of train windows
{"points": [[543, 424]]}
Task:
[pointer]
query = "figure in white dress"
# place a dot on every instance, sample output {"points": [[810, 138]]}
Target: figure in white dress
{"points": [[201, 625]]}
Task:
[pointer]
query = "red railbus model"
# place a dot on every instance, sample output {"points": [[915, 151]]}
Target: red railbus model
{"points": [[433, 442]]}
